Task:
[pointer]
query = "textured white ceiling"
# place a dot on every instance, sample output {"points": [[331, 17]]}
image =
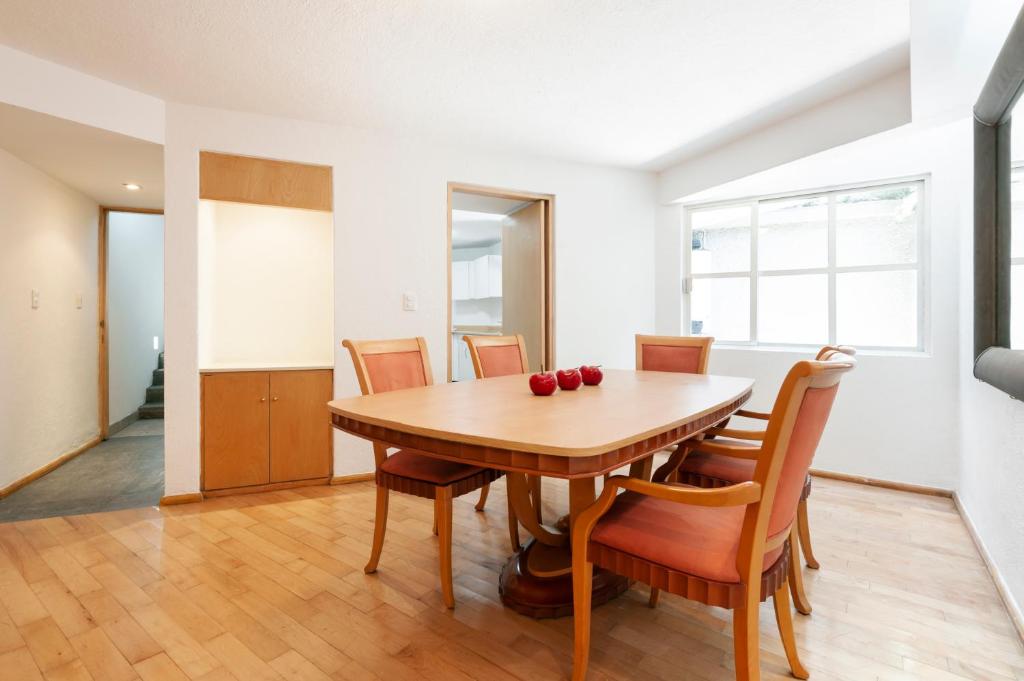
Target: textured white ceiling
{"points": [[623, 82], [95, 162]]}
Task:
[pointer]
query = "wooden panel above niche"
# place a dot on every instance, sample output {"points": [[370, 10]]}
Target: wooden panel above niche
{"points": [[244, 179]]}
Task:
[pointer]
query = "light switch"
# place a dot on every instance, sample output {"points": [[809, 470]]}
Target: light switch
{"points": [[35, 299], [409, 302]]}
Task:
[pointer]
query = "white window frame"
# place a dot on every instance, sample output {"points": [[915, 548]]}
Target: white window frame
{"points": [[921, 265]]}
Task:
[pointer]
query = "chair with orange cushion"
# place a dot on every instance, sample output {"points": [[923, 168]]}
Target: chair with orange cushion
{"points": [[729, 546], [504, 356], [679, 354], [703, 469], [385, 365]]}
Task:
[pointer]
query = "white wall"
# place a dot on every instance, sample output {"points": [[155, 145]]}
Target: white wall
{"points": [[50, 88], [135, 306], [879, 105], [390, 223], [48, 356], [266, 285], [919, 445]]}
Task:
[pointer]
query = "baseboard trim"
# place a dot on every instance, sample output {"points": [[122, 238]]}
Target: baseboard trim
{"points": [[349, 479], [1012, 608], [175, 499], [56, 463], [123, 423], [271, 487], [886, 484]]}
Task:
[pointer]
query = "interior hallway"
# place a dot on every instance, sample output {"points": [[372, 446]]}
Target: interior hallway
{"points": [[125, 471]]}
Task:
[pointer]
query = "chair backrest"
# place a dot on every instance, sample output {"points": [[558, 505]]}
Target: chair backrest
{"points": [[680, 354], [829, 350], [498, 355], [383, 365], [795, 427]]}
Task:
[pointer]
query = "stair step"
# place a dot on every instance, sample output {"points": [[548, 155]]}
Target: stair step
{"points": [[154, 393], [158, 377], [152, 410]]}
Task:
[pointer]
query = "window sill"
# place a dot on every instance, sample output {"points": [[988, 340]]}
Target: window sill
{"points": [[812, 349]]}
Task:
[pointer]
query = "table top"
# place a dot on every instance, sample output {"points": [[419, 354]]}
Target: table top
{"points": [[628, 407]]}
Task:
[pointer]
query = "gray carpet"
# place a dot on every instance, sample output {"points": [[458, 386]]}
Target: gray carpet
{"points": [[126, 471]]}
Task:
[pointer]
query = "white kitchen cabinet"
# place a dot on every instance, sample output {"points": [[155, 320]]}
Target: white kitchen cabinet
{"points": [[461, 287], [485, 277]]}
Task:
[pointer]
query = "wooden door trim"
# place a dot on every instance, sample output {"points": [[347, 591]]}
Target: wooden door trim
{"points": [[548, 239], [103, 252]]}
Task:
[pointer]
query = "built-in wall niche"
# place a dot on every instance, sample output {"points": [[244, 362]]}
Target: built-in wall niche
{"points": [[266, 263]]}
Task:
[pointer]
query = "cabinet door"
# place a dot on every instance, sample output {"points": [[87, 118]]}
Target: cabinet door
{"points": [[494, 275], [300, 425], [236, 424], [460, 280], [478, 278]]}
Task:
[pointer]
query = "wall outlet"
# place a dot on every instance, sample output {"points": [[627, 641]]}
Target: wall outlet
{"points": [[35, 299], [409, 303]]}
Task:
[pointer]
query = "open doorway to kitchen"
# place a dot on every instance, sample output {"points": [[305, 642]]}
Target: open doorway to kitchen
{"points": [[500, 272]]}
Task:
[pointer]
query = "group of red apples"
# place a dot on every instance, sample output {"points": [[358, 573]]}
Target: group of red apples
{"points": [[544, 383]]}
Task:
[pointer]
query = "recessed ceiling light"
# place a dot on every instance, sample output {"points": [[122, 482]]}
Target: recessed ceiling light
{"points": [[132, 187]]}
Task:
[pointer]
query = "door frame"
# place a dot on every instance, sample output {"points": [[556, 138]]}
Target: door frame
{"points": [[548, 241], [101, 326]]}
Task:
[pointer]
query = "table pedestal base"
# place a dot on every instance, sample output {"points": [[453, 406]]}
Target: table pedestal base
{"points": [[537, 582]]}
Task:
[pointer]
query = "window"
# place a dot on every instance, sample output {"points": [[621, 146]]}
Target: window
{"points": [[841, 266]]}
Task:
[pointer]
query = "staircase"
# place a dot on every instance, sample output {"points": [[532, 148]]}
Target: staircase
{"points": [[154, 406]]}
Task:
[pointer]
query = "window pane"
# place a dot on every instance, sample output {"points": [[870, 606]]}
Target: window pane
{"points": [[1017, 213], [721, 308], [793, 309], [877, 226], [720, 240], [877, 308], [792, 234], [1017, 306]]}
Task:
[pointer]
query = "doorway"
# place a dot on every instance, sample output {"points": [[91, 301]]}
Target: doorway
{"points": [[500, 272]]}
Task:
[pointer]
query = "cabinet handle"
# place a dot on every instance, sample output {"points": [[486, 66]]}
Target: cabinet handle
{"points": [[263, 399], [275, 399]]}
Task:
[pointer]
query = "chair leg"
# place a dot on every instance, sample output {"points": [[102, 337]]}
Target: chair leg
{"points": [[380, 524], [796, 576], [784, 618], [443, 517], [484, 491], [582, 583], [746, 641], [652, 602], [804, 529], [513, 525]]}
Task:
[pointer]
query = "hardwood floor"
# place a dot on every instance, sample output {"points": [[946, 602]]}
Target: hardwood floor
{"points": [[271, 586]]}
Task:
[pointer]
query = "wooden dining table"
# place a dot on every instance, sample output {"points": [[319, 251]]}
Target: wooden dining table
{"points": [[576, 435]]}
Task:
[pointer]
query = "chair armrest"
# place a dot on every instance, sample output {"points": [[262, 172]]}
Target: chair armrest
{"points": [[738, 434], [739, 494], [712, 447], [753, 414]]}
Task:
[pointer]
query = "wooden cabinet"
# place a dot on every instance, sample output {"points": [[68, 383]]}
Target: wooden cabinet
{"points": [[266, 427]]}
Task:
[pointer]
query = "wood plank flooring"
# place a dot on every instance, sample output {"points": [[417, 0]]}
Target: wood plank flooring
{"points": [[270, 587]]}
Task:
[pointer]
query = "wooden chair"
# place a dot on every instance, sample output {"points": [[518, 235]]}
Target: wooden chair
{"points": [[703, 469], [679, 354], [383, 365], [503, 356], [730, 546]]}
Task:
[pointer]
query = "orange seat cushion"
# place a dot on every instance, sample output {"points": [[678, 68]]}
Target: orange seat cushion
{"points": [[697, 540], [721, 467], [406, 463]]}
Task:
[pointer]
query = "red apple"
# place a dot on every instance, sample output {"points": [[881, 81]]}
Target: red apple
{"points": [[591, 375], [569, 379], [543, 384]]}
